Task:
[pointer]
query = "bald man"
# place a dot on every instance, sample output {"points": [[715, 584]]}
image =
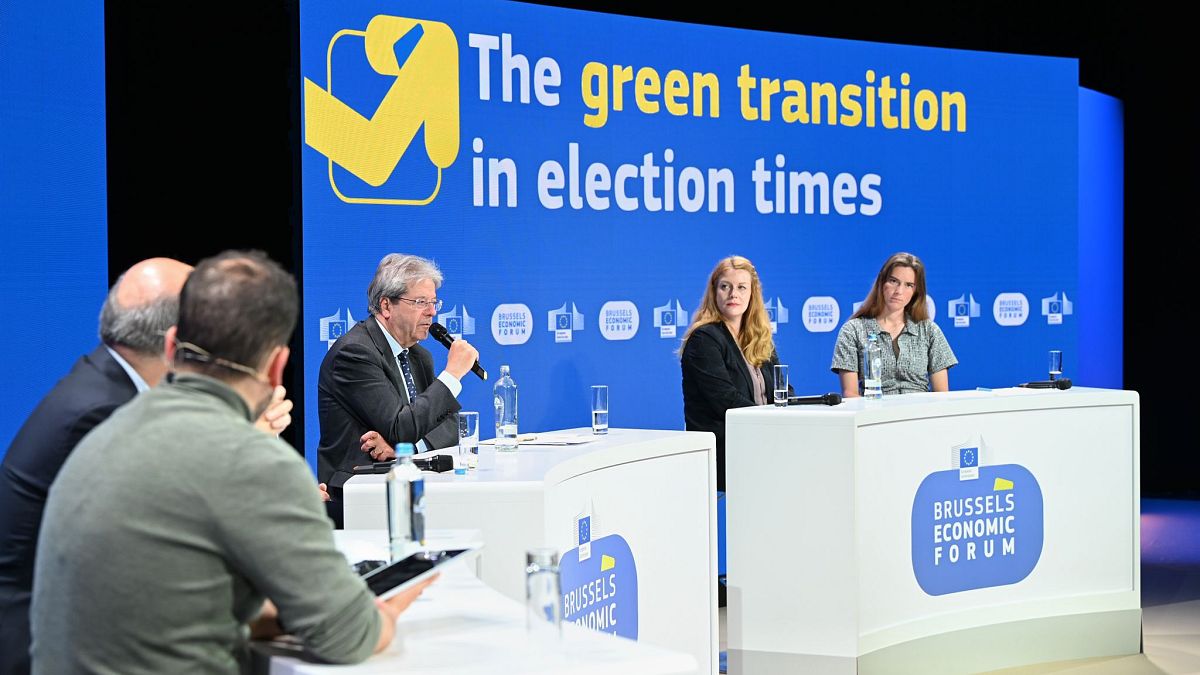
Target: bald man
{"points": [[139, 309]]}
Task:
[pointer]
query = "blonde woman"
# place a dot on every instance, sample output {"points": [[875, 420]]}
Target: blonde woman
{"points": [[727, 352]]}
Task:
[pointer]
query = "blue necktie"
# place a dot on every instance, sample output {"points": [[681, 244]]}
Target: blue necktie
{"points": [[407, 372]]}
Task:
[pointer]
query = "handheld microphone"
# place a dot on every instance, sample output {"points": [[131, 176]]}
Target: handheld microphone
{"points": [[439, 333], [825, 399], [1060, 383]]}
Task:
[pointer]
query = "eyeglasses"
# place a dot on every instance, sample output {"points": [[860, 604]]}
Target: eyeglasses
{"points": [[422, 304]]}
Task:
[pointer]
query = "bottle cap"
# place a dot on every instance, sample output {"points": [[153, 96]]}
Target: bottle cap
{"points": [[403, 449]]}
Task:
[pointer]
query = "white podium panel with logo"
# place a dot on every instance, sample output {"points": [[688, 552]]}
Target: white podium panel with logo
{"points": [[632, 515], [933, 533]]}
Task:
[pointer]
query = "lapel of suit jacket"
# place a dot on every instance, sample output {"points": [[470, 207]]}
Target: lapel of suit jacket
{"points": [[768, 373], [739, 361], [389, 360]]}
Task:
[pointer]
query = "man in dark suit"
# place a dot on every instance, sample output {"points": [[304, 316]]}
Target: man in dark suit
{"points": [[376, 387], [141, 306]]}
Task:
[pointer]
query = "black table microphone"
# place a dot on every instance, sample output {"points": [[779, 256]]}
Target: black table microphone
{"points": [[439, 333], [438, 463], [1060, 383], [826, 399]]}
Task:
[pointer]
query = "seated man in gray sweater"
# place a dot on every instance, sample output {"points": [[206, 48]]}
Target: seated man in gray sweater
{"points": [[174, 520]]}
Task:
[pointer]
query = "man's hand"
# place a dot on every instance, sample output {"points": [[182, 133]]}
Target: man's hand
{"points": [[324, 492], [278, 414], [374, 445], [266, 626], [391, 608], [462, 357]]}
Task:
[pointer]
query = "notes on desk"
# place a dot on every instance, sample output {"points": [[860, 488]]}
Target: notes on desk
{"points": [[563, 438], [551, 438]]}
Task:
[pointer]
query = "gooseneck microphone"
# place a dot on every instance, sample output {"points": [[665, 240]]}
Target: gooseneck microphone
{"points": [[1060, 383], [825, 399], [439, 333]]}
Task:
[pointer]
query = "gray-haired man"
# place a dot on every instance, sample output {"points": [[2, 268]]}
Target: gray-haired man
{"points": [[174, 518], [376, 386], [140, 307]]}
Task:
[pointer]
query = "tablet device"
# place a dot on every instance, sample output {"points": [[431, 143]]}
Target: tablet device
{"points": [[386, 580]]}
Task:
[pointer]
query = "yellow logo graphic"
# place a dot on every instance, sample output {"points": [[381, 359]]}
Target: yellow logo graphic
{"points": [[425, 92], [1001, 484], [607, 563]]}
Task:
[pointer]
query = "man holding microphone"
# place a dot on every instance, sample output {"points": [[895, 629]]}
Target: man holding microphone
{"points": [[376, 386]]}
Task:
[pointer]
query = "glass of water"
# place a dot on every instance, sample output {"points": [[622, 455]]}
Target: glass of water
{"points": [[781, 385], [600, 409], [543, 598], [1055, 364], [468, 440]]}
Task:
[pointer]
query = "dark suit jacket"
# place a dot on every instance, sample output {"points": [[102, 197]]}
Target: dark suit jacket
{"points": [[360, 389], [95, 387], [715, 379]]}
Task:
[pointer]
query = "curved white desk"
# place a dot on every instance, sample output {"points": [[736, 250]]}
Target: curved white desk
{"points": [[857, 543], [651, 499], [461, 626]]}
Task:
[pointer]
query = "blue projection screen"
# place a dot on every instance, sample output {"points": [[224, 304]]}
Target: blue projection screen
{"points": [[577, 175], [53, 218]]}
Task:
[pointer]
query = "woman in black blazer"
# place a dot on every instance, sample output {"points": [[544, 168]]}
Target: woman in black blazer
{"points": [[727, 353]]}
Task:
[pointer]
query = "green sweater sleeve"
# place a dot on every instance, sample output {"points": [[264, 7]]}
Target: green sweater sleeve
{"points": [[274, 530]]}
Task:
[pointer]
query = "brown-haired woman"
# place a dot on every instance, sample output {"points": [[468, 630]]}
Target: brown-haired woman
{"points": [[916, 355]]}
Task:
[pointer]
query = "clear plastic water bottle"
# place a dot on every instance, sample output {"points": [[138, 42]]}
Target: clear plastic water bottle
{"points": [[506, 412], [405, 506], [872, 367]]}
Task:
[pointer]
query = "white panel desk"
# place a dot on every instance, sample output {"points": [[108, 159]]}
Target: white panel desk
{"points": [[461, 626], [858, 543], [652, 490]]}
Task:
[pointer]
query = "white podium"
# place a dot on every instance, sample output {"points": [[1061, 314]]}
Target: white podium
{"points": [[933, 533], [461, 626], [632, 514]]}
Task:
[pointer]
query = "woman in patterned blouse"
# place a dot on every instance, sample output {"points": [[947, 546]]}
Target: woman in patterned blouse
{"points": [[916, 356]]}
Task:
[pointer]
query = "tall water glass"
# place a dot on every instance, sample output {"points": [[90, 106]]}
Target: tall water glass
{"points": [[600, 409], [543, 598], [781, 385], [1055, 364], [468, 440]]}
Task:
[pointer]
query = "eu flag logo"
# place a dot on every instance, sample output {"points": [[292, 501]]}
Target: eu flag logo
{"points": [[585, 530], [968, 457]]}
